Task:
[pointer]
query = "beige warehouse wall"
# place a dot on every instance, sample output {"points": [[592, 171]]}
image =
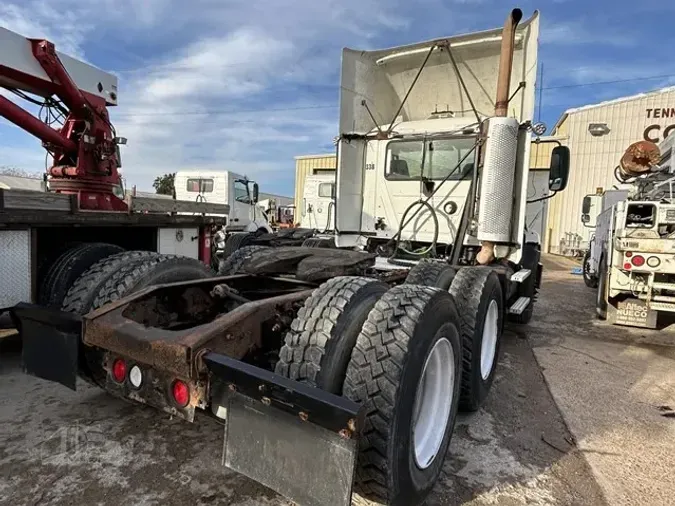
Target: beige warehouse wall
{"points": [[305, 166], [593, 159]]}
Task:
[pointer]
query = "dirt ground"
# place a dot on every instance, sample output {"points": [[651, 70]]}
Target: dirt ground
{"points": [[85, 448]]}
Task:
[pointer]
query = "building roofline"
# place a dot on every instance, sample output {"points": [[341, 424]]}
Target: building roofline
{"points": [[629, 98], [305, 157]]}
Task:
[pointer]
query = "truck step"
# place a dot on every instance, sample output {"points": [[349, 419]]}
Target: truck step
{"points": [[521, 276], [664, 286], [669, 299], [520, 305], [662, 306]]}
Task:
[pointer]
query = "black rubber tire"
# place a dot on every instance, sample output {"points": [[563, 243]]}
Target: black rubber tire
{"points": [[383, 374], [237, 241], [318, 242], [528, 288], [233, 263], [589, 280], [601, 297], [146, 271], [322, 336], [48, 260], [474, 288], [70, 266], [80, 297], [431, 273]]}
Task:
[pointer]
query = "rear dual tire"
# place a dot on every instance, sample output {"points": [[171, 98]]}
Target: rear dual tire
{"points": [[398, 352], [431, 273], [478, 297], [68, 267], [406, 370]]}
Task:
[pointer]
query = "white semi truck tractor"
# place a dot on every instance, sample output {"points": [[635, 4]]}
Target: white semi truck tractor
{"points": [[341, 370], [631, 259]]}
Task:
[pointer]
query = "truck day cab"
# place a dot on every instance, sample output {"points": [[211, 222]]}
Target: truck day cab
{"points": [[227, 188], [340, 370]]}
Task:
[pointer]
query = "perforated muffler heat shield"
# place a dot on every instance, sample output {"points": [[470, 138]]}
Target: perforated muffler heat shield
{"points": [[495, 209]]}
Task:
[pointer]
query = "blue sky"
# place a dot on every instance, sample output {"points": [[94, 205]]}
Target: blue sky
{"points": [[246, 85]]}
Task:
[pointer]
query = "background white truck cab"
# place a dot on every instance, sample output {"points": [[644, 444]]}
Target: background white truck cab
{"points": [[224, 187], [318, 203]]}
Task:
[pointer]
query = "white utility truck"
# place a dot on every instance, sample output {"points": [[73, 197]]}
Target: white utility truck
{"points": [[318, 203], [342, 369], [630, 259]]}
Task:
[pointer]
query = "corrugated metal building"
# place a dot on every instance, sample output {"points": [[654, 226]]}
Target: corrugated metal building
{"points": [[597, 136]]}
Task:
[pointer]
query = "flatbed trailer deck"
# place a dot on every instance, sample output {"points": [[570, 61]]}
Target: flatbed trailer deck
{"points": [[37, 230], [26, 207]]}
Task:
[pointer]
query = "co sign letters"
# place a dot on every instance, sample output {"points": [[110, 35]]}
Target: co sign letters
{"points": [[656, 133]]}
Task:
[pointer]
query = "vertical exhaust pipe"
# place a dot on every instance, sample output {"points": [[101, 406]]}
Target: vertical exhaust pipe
{"points": [[506, 62], [486, 254]]}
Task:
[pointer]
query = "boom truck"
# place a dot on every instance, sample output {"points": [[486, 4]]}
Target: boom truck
{"points": [[630, 258], [49, 239], [340, 370]]}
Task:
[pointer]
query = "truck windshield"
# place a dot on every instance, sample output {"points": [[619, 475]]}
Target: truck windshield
{"points": [[241, 191], [441, 156]]}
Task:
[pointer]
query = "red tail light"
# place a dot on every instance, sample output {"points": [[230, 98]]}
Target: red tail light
{"points": [[119, 370], [629, 254], [638, 260], [181, 393], [627, 266]]}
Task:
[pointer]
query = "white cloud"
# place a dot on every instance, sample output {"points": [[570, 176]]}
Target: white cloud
{"points": [[247, 68]]}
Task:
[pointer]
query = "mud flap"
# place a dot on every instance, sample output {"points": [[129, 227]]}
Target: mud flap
{"points": [[304, 462], [633, 313], [50, 342], [297, 440]]}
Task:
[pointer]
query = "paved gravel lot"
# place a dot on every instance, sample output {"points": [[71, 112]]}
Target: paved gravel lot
{"points": [[87, 448]]}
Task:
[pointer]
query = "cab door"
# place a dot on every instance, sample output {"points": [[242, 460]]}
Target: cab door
{"points": [[240, 208]]}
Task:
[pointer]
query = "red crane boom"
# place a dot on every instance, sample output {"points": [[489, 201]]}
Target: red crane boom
{"points": [[85, 148]]}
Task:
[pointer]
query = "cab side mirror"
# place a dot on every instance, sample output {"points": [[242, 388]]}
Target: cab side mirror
{"points": [[256, 192], [586, 206], [560, 168]]}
